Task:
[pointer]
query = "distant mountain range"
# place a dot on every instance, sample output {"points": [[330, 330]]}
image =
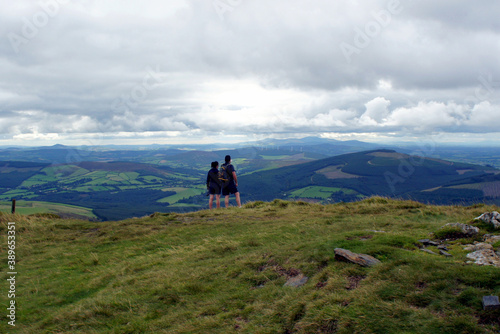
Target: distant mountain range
{"points": [[120, 182], [320, 147], [67, 154]]}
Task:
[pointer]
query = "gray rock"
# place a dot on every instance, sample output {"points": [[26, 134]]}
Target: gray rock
{"points": [[297, 281], [491, 218], [478, 246], [490, 238], [428, 242], [485, 257], [360, 259], [466, 229], [442, 252], [491, 303], [428, 251]]}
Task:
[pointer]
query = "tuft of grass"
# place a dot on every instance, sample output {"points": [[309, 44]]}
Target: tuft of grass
{"points": [[449, 233], [45, 215], [224, 271]]}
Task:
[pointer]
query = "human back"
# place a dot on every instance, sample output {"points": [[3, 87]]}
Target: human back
{"points": [[230, 186], [225, 174], [213, 185]]}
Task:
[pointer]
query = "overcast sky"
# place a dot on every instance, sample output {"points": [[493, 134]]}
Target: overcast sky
{"points": [[127, 71]]}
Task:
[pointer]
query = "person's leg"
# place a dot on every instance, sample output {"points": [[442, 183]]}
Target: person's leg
{"points": [[226, 201], [238, 201], [217, 201], [211, 201]]}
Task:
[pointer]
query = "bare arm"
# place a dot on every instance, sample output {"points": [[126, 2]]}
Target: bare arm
{"points": [[235, 179]]}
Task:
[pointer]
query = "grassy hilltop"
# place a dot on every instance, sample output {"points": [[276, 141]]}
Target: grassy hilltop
{"points": [[224, 271]]}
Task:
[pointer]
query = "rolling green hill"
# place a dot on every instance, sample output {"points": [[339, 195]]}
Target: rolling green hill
{"points": [[13, 173], [174, 180], [229, 271], [114, 190], [356, 175]]}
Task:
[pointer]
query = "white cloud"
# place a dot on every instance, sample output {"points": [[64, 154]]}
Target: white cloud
{"points": [[267, 68], [376, 112], [484, 116]]}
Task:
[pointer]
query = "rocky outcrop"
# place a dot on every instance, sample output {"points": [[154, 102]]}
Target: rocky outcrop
{"points": [[490, 238], [468, 230], [485, 257], [491, 218], [360, 259], [478, 246], [483, 253], [443, 249]]}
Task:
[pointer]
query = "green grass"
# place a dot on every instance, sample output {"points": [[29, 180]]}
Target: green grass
{"points": [[319, 192], [15, 193], [223, 271], [64, 210], [274, 157], [182, 193]]}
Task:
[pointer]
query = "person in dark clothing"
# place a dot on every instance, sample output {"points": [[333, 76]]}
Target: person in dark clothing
{"points": [[213, 185], [232, 186]]}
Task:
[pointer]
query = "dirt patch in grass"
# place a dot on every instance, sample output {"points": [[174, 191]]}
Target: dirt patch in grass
{"points": [[489, 318], [353, 281]]}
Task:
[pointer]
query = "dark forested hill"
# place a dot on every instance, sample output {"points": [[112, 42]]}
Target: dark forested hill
{"points": [[351, 176], [13, 173]]}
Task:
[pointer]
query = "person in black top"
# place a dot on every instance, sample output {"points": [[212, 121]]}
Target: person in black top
{"points": [[213, 185], [232, 187]]}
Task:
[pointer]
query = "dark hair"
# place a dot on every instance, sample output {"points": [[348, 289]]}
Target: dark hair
{"points": [[215, 164], [228, 158]]}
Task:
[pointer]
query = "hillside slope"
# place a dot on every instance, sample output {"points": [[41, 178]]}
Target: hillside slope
{"points": [[381, 172], [224, 271]]}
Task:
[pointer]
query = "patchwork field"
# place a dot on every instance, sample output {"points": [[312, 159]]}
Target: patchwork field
{"points": [[316, 192], [34, 208]]}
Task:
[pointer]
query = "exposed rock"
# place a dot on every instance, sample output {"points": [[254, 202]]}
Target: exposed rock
{"points": [[442, 252], [491, 238], [361, 259], [428, 251], [483, 253], [491, 303], [466, 229], [297, 281], [428, 242], [478, 246], [490, 218], [485, 257]]}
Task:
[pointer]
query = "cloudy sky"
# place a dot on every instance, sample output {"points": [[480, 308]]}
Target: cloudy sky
{"points": [[94, 72]]}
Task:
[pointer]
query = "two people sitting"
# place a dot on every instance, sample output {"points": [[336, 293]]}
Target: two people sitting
{"points": [[215, 186]]}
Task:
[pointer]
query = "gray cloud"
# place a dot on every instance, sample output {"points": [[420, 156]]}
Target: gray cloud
{"points": [[88, 69]]}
